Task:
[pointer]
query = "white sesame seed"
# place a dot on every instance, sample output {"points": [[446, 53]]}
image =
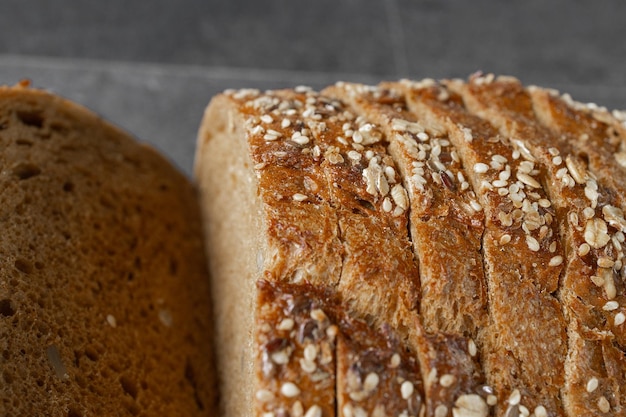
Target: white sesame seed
{"points": [[269, 137], [557, 160], [310, 352], [604, 405], [447, 380], [528, 180], [371, 381], [318, 315], [553, 151], [299, 197], [280, 358], [492, 400], [289, 390], [301, 139], [620, 318], [307, 366], [540, 411], [395, 360], [475, 205], [314, 411], [286, 324], [588, 213], [610, 305], [471, 347], [266, 118], [467, 134], [285, 123], [556, 260], [264, 395], [387, 206], [441, 411], [407, 389], [481, 168], [532, 243], [515, 397]]}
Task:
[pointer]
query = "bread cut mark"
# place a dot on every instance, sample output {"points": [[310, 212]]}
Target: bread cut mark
{"points": [[591, 291], [444, 219], [522, 257], [281, 226], [379, 278], [599, 137]]}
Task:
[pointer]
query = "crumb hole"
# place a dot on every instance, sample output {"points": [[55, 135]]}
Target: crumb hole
{"points": [[366, 204], [92, 353], [6, 309], [8, 377], [68, 187], [23, 266], [24, 142], [129, 386], [26, 170], [173, 267], [73, 412], [39, 265], [31, 118]]}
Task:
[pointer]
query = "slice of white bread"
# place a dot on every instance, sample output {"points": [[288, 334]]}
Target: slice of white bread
{"points": [[104, 303], [512, 307]]}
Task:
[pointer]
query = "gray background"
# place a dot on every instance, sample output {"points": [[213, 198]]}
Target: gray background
{"points": [[152, 66]]}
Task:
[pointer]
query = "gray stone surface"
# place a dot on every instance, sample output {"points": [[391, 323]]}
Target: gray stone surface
{"points": [[152, 66]]}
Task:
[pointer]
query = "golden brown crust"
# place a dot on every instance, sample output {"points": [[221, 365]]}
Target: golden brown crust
{"points": [[590, 279], [103, 287]]}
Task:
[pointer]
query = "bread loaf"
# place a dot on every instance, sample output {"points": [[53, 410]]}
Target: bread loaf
{"points": [[104, 304], [426, 248]]}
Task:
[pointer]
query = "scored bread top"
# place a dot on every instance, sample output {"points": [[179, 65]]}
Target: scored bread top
{"points": [[103, 285], [470, 259]]}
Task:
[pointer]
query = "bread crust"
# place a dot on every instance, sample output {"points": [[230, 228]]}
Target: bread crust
{"points": [[579, 198]]}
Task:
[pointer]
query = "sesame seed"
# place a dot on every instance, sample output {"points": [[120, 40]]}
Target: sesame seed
{"points": [[387, 206], [552, 247], [371, 381], [407, 389], [318, 315], [553, 151], [286, 324], [471, 347], [395, 360], [475, 205], [515, 397], [532, 243], [556, 260], [310, 352], [603, 404], [492, 400], [540, 411], [307, 366], [620, 318], [441, 411], [300, 139], [280, 358], [299, 197], [528, 180], [314, 411], [289, 390], [332, 331], [610, 306], [423, 136], [544, 203], [447, 380], [266, 118], [269, 137], [557, 160], [504, 239], [481, 168], [285, 123], [588, 213], [467, 134], [264, 395]]}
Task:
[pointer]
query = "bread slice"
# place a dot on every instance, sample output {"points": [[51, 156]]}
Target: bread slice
{"points": [[103, 282], [590, 290], [315, 217], [442, 222]]}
